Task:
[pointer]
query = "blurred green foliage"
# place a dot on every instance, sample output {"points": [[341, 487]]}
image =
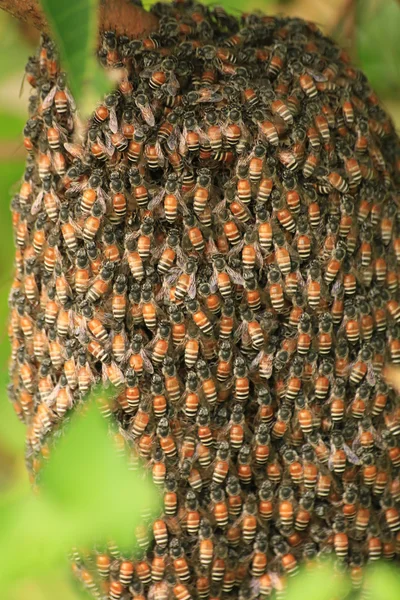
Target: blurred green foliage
{"points": [[321, 582], [377, 34], [74, 25], [83, 479]]}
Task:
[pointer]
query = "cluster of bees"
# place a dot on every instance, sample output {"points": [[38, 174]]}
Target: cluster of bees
{"points": [[220, 248]]}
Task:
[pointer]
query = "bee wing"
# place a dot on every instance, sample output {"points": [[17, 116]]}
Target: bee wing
{"points": [[182, 142], [81, 324], [78, 230], [182, 205], [211, 247], [275, 579], [256, 361], [147, 364], [181, 258], [213, 282], [292, 253], [218, 208], [192, 286], [21, 89], [172, 275], [101, 197], [104, 373], [259, 254], [172, 86], [163, 291], [202, 135], [55, 198], [117, 371], [160, 154], [38, 203], [113, 121], [236, 248], [300, 281], [215, 96], [330, 459], [286, 157], [71, 101], [147, 73], [109, 145], [48, 101], [75, 150], [317, 76], [155, 201], [240, 332], [371, 377], [76, 186], [234, 276], [336, 288], [147, 115], [51, 398], [353, 458]]}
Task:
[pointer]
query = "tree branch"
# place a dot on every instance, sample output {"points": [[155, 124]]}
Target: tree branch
{"points": [[121, 16]]}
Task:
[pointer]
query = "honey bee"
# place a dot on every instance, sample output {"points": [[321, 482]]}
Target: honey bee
{"points": [[60, 96]]}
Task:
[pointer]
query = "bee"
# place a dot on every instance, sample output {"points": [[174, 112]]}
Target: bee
{"points": [[93, 222], [178, 325], [170, 253], [142, 102], [60, 97], [68, 229], [119, 202], [48, 197], [186, 282], [267, 128], [276, 61], [207, 382], [102, 284], [199, 317], [133, 258]]}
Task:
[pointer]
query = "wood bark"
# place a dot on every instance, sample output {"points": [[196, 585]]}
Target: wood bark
{"points": [[121, 16]]}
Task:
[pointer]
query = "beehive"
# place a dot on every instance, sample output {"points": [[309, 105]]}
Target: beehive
{"points": [[221, 249]]}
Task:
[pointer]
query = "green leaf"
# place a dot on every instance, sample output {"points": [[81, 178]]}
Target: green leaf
{"points": [[378, 44], [87, 495], [319, 582], [91, 484], [29, 541], [383, 582], [97, 83], [74, 25]]}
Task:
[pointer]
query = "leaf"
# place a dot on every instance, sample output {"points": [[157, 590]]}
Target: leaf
{"points": [[87, 495], [319, 582], [378, 43], [383, 582], [97, 83], [91, 484], [29, 540], [74, 25]]}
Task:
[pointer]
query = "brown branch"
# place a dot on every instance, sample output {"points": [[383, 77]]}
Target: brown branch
{"points": [[121, 16]]}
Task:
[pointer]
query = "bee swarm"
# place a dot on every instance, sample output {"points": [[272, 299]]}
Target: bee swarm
{"points": [[222, 250]]}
